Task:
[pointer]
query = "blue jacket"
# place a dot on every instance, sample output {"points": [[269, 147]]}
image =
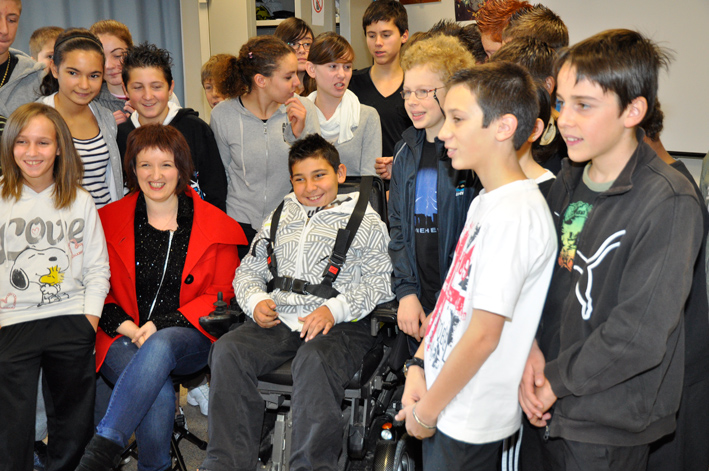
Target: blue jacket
{"points": [[456, 189]]}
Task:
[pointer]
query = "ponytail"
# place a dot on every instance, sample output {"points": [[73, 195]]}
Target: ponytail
{"points": [[260, 55]]}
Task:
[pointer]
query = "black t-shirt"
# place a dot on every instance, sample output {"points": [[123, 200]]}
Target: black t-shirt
{"points": [[392, 113], [426, 226], [572, 223]]}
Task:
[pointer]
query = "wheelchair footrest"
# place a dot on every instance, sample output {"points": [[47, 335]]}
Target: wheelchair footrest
{"points": [[355, 442]]}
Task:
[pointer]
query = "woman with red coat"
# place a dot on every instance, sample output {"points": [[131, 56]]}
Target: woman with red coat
{"points": [[170, 254]]}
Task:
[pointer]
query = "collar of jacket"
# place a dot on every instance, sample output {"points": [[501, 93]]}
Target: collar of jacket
{"points": [[414, 138], [572, 173]]}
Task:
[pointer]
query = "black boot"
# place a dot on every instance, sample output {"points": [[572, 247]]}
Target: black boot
{"points": [[101, 454]]}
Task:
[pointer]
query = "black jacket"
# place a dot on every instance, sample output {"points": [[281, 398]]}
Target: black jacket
{"points": [[456, 189], [619, 371], [209, 179], [696, 321]]}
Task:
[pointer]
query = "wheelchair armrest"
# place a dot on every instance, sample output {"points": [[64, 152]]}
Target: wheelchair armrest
{"points": [[383, 313], [221, 320]]}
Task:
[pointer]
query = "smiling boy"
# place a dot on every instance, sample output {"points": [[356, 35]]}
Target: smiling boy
{"points": [[326, 337], [147, 75], [612, 330], [428, 199], [463, 401]]}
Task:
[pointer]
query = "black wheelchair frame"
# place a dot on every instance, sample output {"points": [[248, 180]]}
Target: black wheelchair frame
{"points": [[371, 438]]}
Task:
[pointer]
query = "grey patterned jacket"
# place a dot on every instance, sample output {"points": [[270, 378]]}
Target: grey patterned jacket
{"points": [[303, 248]]}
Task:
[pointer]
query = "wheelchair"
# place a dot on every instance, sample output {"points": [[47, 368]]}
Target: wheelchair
{"points": [[371, 438]]}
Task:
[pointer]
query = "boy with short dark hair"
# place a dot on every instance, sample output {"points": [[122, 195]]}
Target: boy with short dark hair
{"points": [[471, 32], [612, 331], [534, 55], [480, 332], [469, 37], [538, 58], [42, 43], [147, 76], [386, 26], [327, 337]]}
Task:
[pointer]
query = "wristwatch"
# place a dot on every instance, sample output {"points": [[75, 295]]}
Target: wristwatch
{"points": [[415, 361]]}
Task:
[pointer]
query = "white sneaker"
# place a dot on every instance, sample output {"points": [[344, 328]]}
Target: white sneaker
{"points": [[199, 396]]}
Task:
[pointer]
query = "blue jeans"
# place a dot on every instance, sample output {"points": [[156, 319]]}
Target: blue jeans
{"points": [[143, 399]]}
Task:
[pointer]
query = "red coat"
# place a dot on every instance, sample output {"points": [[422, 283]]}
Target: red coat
{"points": [[209, 268]]}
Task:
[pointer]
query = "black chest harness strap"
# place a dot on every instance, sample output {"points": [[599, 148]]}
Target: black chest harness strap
{"points": [[337, 259]]}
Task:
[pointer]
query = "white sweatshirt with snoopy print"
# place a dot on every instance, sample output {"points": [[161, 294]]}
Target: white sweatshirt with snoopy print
{"points": [[53, 262]]}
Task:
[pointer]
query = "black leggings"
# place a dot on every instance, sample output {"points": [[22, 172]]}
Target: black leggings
{"points": [[64, 348]]}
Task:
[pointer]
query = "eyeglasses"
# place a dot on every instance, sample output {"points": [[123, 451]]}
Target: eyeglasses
{"points": [[420, 94], [299, 44]]}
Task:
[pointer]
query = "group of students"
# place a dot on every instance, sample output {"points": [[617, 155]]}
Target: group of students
{"points": [[586, 308]]}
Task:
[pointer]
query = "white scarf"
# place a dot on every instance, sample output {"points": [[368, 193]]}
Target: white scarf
{"points": [[344, 120]]}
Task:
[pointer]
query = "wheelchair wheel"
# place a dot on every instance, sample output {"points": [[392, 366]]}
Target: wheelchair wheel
{"points": [[386, 458]]}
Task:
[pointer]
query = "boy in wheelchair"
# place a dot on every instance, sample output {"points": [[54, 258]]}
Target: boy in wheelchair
{"points": [[304, 304]]}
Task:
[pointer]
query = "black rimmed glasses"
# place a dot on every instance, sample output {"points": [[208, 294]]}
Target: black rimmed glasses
{"points": [[420, 94], [304, 44]]}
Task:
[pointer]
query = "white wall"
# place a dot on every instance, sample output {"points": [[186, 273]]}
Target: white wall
{"points": [[424, 15], [681, 26], [196, 51]]}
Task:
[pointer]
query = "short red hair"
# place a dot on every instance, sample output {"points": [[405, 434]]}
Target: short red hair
{"points": [[494, 16]]}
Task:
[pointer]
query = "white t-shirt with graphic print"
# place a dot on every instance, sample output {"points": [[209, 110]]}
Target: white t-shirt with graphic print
{"points": [[502, 264]]}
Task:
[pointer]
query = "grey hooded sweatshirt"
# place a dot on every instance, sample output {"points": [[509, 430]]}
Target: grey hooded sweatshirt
{"points": [[255, 157], [23, 85]]}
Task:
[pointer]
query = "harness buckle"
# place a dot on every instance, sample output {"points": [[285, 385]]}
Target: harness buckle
{"points": [[287, 283], [299, 286], [334, 265], [293, 285]]}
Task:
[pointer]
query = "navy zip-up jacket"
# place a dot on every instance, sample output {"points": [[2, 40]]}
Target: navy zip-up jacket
{"points": [[456, 189]]}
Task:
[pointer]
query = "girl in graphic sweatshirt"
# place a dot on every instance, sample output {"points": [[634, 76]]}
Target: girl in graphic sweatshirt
{"points": [[54, 277]]}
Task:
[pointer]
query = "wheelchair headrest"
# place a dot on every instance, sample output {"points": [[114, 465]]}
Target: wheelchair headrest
{"points": [[377, 198]]}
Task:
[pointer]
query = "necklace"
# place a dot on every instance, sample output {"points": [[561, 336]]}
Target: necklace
{"points": [[164, 223], [7, 68]]}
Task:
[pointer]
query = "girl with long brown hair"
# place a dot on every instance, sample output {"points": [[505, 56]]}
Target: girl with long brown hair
{"points": [[53, 281]]}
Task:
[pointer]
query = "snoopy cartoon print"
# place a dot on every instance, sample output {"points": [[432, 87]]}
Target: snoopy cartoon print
{"points": [[43, 271]]}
